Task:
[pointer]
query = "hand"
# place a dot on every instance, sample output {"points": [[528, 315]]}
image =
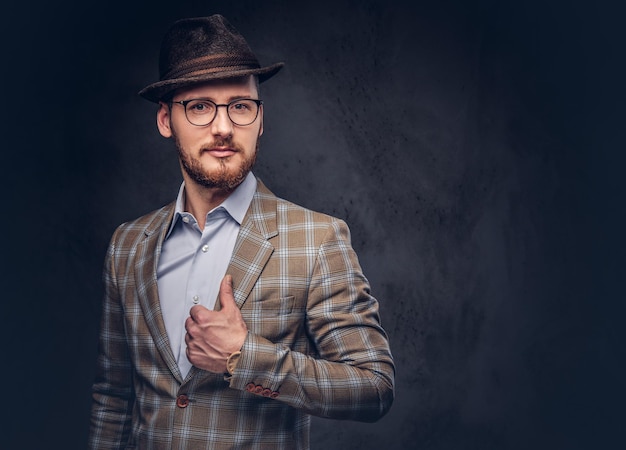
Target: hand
{"points": [[213, 335]]}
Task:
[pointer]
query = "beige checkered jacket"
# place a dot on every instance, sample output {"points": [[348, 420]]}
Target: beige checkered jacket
{"points": [[315, 344]]}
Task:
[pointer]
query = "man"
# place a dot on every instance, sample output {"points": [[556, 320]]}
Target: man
{"points": [[230, 316]]}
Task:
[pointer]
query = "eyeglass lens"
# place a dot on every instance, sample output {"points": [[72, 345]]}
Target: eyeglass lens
{"points": [[202, 112]]}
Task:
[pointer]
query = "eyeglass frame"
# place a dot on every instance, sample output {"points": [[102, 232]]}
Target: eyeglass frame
{"points": [[184, 103]]}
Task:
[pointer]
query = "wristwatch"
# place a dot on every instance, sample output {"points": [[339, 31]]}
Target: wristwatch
{"points": [[232, 361]]}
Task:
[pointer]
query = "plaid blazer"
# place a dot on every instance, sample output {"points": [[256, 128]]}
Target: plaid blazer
{"points": [[315, 344]]}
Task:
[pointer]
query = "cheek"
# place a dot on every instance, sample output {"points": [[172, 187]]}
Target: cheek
{"points": [[187, 139], [255, 135]]}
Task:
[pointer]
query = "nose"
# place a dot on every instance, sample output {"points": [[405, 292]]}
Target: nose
{"points": [[222, 125]]}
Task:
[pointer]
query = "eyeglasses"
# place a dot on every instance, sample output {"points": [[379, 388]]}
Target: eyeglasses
{"points": [[201, 111]]}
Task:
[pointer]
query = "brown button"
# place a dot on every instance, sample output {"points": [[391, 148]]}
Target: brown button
{"points": [[182, 401], [250, 387], [274, 394], [258, 389], [266, 392]]}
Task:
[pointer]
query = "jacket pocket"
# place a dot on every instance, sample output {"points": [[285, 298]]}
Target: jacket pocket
{"points": [[275, 306]]}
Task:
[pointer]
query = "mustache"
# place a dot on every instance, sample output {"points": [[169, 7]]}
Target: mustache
{"points": [[221, 143]]}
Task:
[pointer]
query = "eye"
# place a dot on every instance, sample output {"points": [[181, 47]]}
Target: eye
{"points": [[240, 106], [243, 108], [200, 107]]}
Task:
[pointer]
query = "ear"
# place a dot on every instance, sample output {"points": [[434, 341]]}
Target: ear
{"points": [[163, 120], [261, 119]]}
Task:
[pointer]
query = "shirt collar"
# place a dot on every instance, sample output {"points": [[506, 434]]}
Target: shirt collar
{"points": [[236, 204]]}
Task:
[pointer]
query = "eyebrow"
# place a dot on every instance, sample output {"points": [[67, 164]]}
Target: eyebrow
{"points": [[228, 100]]}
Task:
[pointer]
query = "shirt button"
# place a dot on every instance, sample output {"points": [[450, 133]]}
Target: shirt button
{"points": [[186, 219], [182, 401], [205, 248], [196, 299]]}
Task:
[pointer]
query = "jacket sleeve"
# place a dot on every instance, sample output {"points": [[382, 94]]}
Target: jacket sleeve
{"points": [[351, 374], [112, 392]]}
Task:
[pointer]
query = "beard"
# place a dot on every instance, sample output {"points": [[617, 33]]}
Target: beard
{"points": [[222, 178]]}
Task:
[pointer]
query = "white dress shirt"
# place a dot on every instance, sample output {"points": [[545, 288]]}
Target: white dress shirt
{"points": [[194, 261]]}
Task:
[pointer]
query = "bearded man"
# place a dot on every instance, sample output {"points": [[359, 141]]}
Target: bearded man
{"points": [[230, 316]]}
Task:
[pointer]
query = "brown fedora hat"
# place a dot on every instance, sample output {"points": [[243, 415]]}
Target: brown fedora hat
{"points": [[202, 49]]}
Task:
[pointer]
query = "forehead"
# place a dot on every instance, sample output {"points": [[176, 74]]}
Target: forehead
{"points": [[219, 89]]}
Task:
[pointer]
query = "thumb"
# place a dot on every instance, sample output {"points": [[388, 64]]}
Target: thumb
{"points": [[227, 298]]}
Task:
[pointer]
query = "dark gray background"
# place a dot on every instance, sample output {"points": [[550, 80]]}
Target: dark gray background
{"points": [[476, 150]]}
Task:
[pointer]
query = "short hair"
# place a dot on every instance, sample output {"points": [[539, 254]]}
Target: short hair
{"points": [[169, 96]]}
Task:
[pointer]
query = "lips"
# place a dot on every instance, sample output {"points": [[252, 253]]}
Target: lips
{"points": [[220, 152]]}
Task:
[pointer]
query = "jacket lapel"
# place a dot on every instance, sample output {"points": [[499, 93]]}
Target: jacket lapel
{"points": [[251, 253], [148, 251], [252, 249]]}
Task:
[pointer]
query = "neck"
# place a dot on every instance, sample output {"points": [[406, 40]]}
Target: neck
{"points": [[199, 200]]}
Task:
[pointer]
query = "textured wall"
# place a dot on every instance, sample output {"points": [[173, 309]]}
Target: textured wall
{"points": [[474, 148]]}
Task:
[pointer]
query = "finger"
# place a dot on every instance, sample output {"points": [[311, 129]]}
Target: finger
{"points": [[189, 324], [227, 298], [198, 313]]}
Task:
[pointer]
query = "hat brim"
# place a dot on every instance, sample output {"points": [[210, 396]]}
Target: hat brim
{"points": [[155, 92]]}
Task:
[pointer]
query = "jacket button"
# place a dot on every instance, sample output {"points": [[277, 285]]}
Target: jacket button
{"points": [[258, 389], [266, 392], [274, 394], [182, 401], [250, 387]]}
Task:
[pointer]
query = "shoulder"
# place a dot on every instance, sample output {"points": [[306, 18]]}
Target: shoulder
{"points": [[146, 225], [287, 210], [294, 219]]}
